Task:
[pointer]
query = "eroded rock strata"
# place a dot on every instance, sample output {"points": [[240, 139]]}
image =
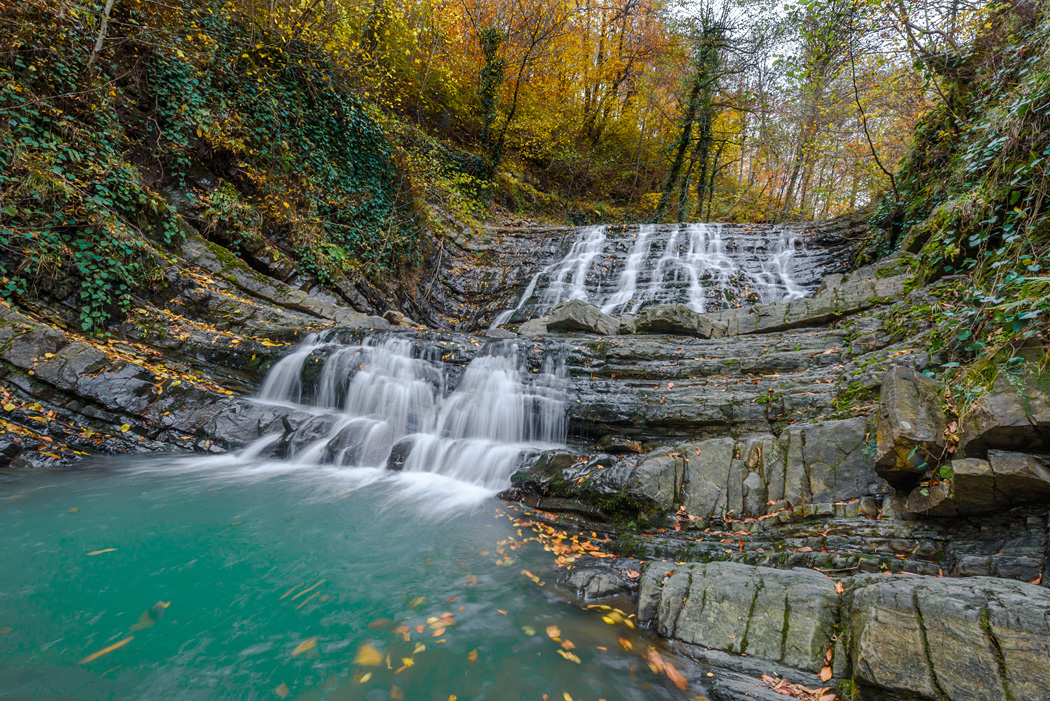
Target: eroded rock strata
{"points": [[787, 482]]}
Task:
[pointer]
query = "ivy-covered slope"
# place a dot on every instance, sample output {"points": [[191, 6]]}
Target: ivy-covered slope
{"points": [[975, 201], [186, 116]]}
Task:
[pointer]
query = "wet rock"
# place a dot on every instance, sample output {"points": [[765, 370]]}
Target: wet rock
{"points": [[618, 445], [656, 480], [1013, 416], [910, 426], [961, 639], [784, 616], [628, 324], [577, 315], [593, 582], [37, 460], [499, 334], [678, 319], [399, 455], [238, 423]]}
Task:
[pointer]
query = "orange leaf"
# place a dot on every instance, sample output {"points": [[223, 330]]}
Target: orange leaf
{"points": [[675, 676], [472, 656], [825, 674]]}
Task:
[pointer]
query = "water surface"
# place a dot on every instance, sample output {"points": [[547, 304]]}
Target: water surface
{"points": [[220, 579]]}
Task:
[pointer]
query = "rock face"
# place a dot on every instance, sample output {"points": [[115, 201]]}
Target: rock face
{"points": [[966, 640], [782, 616], [897, 637], [911, 426], [577, 315]]}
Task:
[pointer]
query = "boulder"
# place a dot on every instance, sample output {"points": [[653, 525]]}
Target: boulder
{"points": [[971, 639], [784, 616], [399, 455], [910, 426], [1013, 416], [656, 480], [592, 582], [577, 315], [533, 327], [935, 500], [678, 319], [499, 334]]}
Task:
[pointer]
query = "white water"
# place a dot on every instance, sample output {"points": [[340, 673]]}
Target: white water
{"points": [[570, 278], [705, 266], [371, 399], [627, 285]]}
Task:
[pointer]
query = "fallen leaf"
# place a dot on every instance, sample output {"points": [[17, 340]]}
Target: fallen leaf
{"points": [[676, 677], [304, 646], [282, 690], [626, 644], [420, 647], [368, 656], [103, 651], [100, 552], [825, 674], [553, 632], [472, 656], [632, 574], [839, 588], [365, 677]]}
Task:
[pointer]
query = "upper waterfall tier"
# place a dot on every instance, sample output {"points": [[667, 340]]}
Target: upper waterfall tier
{"points": [[706, 266]]}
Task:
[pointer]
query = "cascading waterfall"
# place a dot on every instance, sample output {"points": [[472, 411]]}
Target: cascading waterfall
{"points": [[570, 278], [705, 266], [380, 404]]}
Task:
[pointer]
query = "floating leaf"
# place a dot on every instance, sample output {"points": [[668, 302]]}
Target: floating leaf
{"points": [[100, 552], [472, 656], [282, 690], [105, 650], [553, 632], [304, 646]]}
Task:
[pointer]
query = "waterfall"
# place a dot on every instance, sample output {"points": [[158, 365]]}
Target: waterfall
{"points": [[388, 403], [570, 278], [627, 285], [708, 267]]}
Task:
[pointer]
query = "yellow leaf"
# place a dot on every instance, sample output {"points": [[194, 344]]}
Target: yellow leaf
{"points": [[100, 552], [124, 428], [368, 656], [553, 632], [420, 647], [366, 677], [304, 646], [9, 407], [103, 651]]}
